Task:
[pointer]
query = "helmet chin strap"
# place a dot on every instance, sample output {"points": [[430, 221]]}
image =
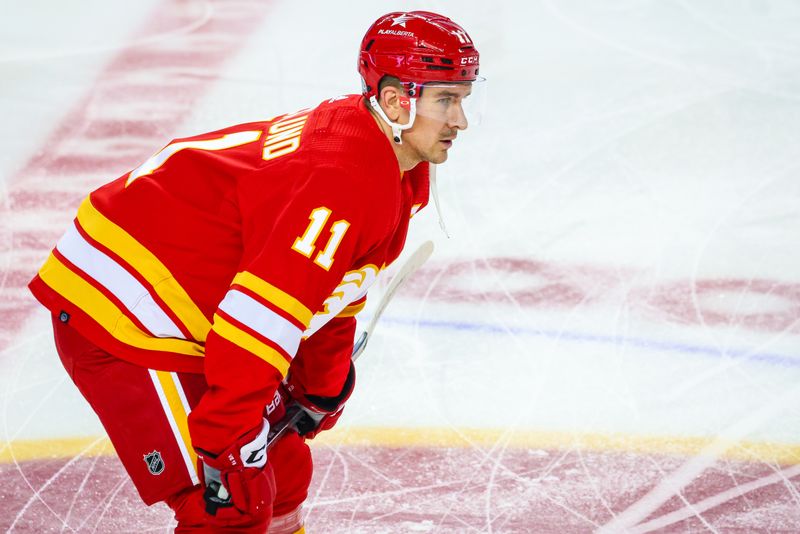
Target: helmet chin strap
{"points": [[397, 129], [435, 193]]}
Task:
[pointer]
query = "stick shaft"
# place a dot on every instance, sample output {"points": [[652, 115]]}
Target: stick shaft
{"points": [[414, 262]]}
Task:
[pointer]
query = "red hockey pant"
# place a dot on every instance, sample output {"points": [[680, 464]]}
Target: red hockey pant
{"points": [[144, 412]]}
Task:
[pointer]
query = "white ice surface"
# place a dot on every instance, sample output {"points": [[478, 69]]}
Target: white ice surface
{"points": [[630, 147]]}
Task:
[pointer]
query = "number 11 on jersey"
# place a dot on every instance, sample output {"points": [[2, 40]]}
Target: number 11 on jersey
{"points": [[305, 244]]}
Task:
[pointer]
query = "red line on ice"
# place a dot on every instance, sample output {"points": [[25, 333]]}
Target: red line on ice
{"points": [[143, 92], [427, 489], [744, 303]]}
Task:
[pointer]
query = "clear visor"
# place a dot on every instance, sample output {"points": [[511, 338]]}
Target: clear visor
{"points": [[460, 104]]}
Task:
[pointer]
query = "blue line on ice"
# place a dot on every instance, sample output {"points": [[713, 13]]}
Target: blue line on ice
{"points": [[745, 354]]}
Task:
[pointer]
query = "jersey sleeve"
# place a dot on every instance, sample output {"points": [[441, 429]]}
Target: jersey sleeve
{"points": [[290, 268], [323, 360]]}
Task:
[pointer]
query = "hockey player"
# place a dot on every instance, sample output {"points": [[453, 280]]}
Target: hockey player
{"points": [[196, 296]]}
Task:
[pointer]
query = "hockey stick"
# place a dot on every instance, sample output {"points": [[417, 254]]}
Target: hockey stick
{"points": [[413, 263], [419, 257]]}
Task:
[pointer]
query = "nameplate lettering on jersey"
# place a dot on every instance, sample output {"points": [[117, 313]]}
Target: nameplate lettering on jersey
{"points": [[283, 137]]}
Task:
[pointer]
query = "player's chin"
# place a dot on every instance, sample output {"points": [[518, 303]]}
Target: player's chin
{"points": [[438, 156]]}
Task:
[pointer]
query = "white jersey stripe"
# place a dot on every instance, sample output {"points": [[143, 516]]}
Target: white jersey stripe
{"points": [[263, 320], [162, 395], [111, 275]]}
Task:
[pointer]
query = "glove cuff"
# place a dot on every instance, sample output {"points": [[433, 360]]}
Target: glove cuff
{"points": [[250, 450], [320, 404]]}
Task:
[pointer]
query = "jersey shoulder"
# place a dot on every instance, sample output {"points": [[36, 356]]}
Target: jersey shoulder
{"points": [[342, 133]]}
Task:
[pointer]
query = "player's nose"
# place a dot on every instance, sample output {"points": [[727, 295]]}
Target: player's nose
{"points": [[457, 118]]}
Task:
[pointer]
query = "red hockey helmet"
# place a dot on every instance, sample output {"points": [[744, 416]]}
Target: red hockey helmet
{"points": [[417, 47]]}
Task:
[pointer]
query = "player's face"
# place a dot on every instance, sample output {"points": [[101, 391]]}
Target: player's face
{"points": [[440, 116]]}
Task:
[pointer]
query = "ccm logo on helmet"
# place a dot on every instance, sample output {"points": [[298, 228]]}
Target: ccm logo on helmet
{"points": [[470, 60]]}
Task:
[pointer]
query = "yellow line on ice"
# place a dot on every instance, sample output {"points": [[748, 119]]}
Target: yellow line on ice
{"points": [[785, 454], [46, 449], [561, 441]]}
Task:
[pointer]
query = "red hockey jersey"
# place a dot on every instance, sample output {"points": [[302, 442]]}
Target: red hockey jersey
{"points": [[240, 253]]}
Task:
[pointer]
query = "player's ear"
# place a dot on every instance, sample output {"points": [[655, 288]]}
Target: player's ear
{"points": [[389, 99]]}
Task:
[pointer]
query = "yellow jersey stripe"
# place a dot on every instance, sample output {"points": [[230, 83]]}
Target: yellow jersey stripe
{"points": [[106, 313], [239, 337], [352, 310], [179, 416], [129, 291], [272, 294], [145, 263]]}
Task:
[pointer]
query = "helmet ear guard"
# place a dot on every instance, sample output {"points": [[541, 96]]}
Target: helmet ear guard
{"points": [[397, 128]]}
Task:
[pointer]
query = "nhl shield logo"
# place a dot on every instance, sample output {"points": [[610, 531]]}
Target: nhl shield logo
{"points": [[154, 463]]}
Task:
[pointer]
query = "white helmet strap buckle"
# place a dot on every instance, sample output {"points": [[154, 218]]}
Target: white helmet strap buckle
{"points": [[397, 129]]}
